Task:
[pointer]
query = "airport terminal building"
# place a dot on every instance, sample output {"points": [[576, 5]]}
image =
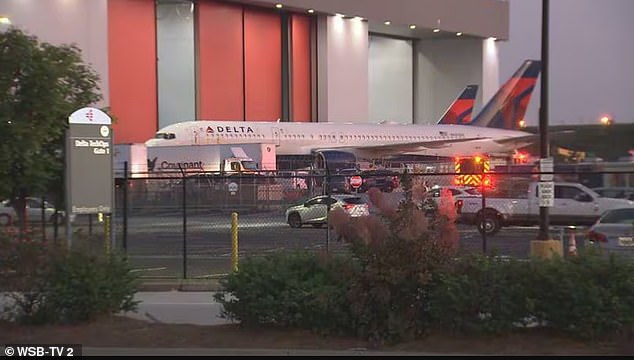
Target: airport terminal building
{"points": [[166, 61]]}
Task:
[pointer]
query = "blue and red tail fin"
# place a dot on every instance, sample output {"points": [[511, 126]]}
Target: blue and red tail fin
{"points": [[508, 106], [459, 112]]}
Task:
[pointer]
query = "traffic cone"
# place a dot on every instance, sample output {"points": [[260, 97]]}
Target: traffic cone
{"points": [[572, 246]]}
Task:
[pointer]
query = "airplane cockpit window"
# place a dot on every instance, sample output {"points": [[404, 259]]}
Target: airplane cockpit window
{"points": [[166, 136]]}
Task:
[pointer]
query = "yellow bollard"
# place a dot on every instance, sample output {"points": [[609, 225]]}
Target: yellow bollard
{"points": [[106, 232], [546, 248], [234, 241]]}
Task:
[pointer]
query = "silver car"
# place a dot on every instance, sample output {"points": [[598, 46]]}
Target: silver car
{"points": [[314, 210], [614, 231], [33, 212]]}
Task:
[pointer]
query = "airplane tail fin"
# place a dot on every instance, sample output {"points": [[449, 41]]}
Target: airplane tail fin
{"points": [[459, 112], [508, 106]]}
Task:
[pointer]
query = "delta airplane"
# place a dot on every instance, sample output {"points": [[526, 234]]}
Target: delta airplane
{"points": [[378, 140]]}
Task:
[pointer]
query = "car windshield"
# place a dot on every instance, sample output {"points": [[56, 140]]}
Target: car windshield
{"points": [[354, 201], [472, 191], [250, 165]]}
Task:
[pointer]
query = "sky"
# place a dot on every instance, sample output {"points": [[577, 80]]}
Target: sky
{"points": [[591, 58]]}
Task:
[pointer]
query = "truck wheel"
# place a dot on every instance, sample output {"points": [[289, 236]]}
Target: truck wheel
{"points": [[56, 219], [294, 220], [488, 223], [5, 220]]}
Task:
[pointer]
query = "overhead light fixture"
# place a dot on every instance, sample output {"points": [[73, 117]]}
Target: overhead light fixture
{"points": [[310, 11], [387, 22], [493, 38], [339, 15], [437, 28], [458, 33], [278, 5], [358, 18], [5, 20], [412, 26]]}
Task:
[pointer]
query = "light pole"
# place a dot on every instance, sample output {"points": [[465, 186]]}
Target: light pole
{"points": [[543, 117]]}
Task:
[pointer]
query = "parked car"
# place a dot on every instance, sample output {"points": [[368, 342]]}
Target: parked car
{"points": [[382, 179], [314, 210], [614, 231], [33, 211], [617, 192]]}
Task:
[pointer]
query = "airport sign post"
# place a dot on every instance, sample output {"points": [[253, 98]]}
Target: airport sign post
{"points": [[89, 156]]}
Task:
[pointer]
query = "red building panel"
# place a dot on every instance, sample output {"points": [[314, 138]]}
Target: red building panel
{"points": [[300, 68], [220, 61], [263, 59], [132, 69]]}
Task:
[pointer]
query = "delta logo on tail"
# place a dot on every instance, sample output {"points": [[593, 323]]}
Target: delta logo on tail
{"points": [[508, 106], [460, 110]]}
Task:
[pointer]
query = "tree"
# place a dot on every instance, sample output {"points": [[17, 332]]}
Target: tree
{"points": [[40, 86]]}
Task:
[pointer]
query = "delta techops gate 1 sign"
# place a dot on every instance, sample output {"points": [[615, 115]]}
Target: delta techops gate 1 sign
{"points": [[89, 162]]}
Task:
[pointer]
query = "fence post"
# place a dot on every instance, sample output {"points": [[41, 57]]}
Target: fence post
{"points": [[484, 230], [326, 182], [184, 223], [106, 232], [125, 208], [44, 218], [234, 241]]}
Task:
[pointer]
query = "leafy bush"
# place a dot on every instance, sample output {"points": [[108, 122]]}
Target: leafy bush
{"points": [[47, 284], [588, 296], [289, 289], [480, 294]]}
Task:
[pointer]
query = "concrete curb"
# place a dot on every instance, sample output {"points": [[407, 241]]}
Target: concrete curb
{"points": [[210, 285]]}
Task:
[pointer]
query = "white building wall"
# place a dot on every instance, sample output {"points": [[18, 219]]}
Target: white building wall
{"points": [[444, 69], [343, 81], [390, 79], [80, 22]]}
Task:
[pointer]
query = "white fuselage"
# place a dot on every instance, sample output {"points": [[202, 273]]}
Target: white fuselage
{"points": [[369, 139]]}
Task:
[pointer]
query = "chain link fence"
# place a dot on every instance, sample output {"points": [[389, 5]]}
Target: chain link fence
{"points": [[181, 226]]}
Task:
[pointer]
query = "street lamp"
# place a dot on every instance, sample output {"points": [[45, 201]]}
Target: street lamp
{"points": [[606, 120], [5, 23]]}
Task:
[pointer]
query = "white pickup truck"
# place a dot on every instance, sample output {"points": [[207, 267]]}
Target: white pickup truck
{"points": [[574, 204]]}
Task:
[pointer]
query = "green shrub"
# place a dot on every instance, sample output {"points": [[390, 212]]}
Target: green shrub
{"points": [[588, 296], [480, 294], [47, 284], [84, 287], [289, 289]]}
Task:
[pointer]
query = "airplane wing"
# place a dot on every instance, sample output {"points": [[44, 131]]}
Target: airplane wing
{"points": [[532, 138], [410, 147]]}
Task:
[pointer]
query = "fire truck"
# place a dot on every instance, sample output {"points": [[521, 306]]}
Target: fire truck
{"points": [[472, 171]]}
